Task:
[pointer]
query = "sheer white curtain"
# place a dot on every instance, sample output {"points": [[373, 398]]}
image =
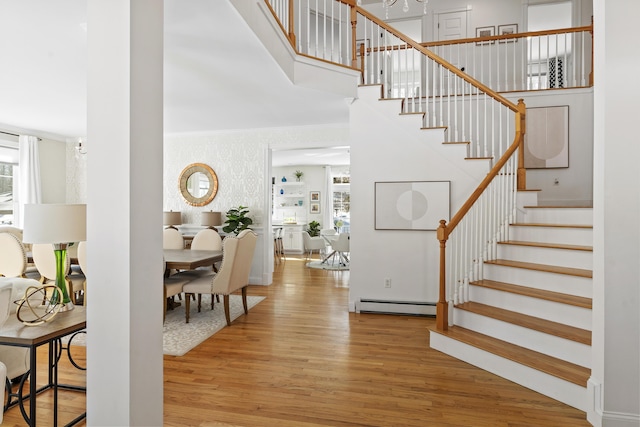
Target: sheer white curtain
{"points": [[327, 199], [29, 190]]}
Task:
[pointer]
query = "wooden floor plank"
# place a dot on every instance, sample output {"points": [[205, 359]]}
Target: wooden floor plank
{"points": [[301, 359]]}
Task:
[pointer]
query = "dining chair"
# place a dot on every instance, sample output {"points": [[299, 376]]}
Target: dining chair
{"points": [[313, 244], [14, 360], [13, 258], [207, 240], [233, 274], [341, 246], [173, 286], [172, 239]]}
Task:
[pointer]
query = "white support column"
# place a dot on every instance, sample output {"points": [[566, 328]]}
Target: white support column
{"points": [[614, 386], [124, 213]]}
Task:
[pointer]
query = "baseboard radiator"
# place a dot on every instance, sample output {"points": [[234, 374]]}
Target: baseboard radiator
{"points": [[412, 308]]}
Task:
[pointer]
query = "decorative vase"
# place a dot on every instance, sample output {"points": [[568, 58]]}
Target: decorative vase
{"points": [[281, 191], [284, 179]]}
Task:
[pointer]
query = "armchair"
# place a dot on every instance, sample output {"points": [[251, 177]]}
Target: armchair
{"points": [[232, 275]]}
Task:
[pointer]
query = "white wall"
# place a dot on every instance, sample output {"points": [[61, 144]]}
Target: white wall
{"points": [[614, 385], [389, 147], [575, 185]]}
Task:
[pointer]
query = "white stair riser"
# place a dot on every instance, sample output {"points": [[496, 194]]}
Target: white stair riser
{"points": [[550, 256], [575, 216], [564, 391], [578, 317], [563, 235], [370, 93], [563, 283], [551, 345]]}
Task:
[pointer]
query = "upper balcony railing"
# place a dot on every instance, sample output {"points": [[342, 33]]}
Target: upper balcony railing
{"points": [[537, 60]]}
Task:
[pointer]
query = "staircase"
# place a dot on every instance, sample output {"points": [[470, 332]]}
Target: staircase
{"points": [[529, 319]]}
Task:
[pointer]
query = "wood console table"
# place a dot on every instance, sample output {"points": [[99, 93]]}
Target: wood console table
{"points": [[14, 333]]}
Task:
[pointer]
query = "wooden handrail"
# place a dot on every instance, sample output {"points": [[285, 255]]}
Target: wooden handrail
{"points": [[509, 36]]}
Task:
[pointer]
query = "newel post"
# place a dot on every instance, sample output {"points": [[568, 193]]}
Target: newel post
{"points": [[442, 307], [521, 128]]}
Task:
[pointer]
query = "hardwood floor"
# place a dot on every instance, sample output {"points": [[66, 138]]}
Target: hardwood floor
{"points": [[301, 359]]}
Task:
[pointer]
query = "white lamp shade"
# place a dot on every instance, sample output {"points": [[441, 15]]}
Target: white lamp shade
{"points": [[54, 223], [172, 218], [211, 218]]}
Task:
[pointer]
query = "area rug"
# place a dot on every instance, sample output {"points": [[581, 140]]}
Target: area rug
{"points": [[179, 337], [327, 266]]}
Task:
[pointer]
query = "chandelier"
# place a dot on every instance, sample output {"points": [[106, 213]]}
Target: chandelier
{"points": [[405, 7]]}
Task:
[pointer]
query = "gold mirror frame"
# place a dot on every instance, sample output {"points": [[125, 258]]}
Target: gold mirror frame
{"points": [[213, 184]]}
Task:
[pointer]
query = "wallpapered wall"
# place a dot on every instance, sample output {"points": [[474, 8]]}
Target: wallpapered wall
{"points": [[239, 159]]}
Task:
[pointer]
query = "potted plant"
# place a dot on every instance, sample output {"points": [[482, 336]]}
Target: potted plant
{"points": [[298, 175], [314, 229], [237, 220]]}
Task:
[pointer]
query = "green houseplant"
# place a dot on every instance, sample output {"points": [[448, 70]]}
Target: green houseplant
{"points": [[298, 175], [237, 220], [314, 229]]}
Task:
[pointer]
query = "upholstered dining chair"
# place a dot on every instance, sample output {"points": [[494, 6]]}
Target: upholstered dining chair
{"points": [[172, 239], [13, 258], [233, 274], [313, 244], [207, 240], [173, 286], [15, 360]]}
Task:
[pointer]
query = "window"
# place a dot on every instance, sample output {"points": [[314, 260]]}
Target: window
{"points": [[341, 204], [8, 179], [548, 56]]}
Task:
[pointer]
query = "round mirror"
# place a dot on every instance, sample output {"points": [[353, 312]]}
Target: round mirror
{"points": [[198, 184]]}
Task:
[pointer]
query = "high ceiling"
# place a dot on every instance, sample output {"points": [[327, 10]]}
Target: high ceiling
{"points": [[218, 76]]}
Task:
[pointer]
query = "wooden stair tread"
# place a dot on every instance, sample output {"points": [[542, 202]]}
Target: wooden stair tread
{"points": [[568, 299], [556, 367], [580, 272], [413, 113], [537, 224], [534, 323], [547, 245]]}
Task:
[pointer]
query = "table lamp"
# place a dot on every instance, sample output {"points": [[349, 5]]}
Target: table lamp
{"points": [[171, 219], [211, 219], [58, 224]]}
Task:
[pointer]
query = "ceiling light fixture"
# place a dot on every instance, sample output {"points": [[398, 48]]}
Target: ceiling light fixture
{"points": [[405, 7]]}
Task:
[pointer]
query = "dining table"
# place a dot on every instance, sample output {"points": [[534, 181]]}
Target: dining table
{"points": [[188, 259]]}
